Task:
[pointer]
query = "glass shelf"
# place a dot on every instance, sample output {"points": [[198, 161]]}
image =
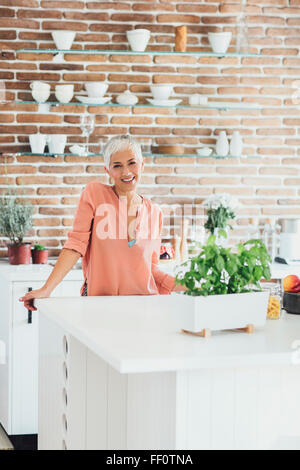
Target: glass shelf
{"points": [[59, 154], [159, 155], [128, 52], [213, 105]]}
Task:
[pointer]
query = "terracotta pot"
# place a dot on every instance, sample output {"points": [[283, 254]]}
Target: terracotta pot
{"points": [[19, 254], [39, 256]]}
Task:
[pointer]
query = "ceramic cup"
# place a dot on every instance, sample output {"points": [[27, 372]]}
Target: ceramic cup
{"points": [[138, 39], [220, 41], [40, 91], [161, 91], [37, 143], [96, 89], [64, 93], [56, 143], [63, 39]]}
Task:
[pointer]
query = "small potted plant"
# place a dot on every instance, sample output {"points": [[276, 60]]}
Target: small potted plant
{"points": [[223, 288], [220, 210], [39, 254], [16, 219]]}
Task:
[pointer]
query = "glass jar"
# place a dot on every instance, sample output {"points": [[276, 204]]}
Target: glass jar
{"points": [[275, 300]]}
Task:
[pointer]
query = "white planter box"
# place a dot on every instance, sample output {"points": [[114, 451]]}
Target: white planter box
{"points": [[220, 312]]}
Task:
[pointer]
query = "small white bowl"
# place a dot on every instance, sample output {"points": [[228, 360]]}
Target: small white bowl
{"points": [[63, 39], [204, 151], [220, 41], [138, 39]]}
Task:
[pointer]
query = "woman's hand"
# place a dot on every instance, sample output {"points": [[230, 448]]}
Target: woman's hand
{"points": [[34, 294], [179, 288]]}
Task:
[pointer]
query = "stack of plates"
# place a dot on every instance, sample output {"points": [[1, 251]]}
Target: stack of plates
{"points": [[163, 102], [88, 100]]}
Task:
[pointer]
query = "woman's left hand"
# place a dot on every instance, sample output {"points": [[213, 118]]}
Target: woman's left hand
{"points": [[179, 288]]}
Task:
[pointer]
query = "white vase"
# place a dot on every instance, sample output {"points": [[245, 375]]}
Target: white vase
{"points": [[222, 146], [236, 145]]}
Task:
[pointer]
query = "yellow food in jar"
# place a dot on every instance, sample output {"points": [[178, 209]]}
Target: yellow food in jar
{"points": [[273, 308]]}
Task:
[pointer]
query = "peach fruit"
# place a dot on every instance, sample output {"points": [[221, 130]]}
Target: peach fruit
{"points": [[291, 283]]}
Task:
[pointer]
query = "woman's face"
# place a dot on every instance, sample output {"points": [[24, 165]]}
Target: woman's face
{"points": [[125, 169]]}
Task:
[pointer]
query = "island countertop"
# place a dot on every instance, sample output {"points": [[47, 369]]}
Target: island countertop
{"points": [[139, 334]]}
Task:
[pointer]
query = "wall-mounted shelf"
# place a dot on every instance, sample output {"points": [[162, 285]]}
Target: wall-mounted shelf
{"points": [[127, 52], [160, 155], [211, 105]]}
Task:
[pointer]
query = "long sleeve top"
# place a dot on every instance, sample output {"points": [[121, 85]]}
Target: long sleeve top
{"points": [[99, 234]]}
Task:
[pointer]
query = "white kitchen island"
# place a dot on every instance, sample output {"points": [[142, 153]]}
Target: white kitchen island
{"points": [[117, 373]]}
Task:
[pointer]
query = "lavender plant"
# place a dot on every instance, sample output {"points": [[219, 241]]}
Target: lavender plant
{"points": [[16, 219]]}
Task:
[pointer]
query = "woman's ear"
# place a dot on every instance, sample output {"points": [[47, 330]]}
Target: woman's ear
{"points": [[143, 164]]}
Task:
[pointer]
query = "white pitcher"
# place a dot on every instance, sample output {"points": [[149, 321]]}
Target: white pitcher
{"points": [[56, 143], [38, 142], [222, 146], [40, 91]]}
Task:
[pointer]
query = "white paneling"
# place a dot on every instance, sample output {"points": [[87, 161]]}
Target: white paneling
{"points": [[76, 394], [51, 382], [117, 410], [96, 403], [223, 409], [269, 406], [5, 366], [246, 424], [199, 412], [151, 411], [24, 365]]}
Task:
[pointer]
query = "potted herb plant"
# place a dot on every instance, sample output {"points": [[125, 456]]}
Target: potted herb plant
{"points": [[16, 219], [220, 210], [223, 288], [39, 254]]}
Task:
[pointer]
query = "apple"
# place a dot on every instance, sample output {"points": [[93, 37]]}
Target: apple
{"points": [[291, 283]]}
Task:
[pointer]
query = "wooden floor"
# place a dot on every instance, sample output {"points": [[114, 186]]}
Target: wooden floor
{"points": [[5, 443]]}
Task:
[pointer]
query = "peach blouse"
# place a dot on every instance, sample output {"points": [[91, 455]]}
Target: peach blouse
{"points": [[99, 234]]}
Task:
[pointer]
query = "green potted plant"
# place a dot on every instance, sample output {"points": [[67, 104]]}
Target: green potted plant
{"points": [[39, 254], [16, 219], [223, 287]]}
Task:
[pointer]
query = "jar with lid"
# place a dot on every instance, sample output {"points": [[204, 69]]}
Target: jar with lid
{"points": [[275, 300]]}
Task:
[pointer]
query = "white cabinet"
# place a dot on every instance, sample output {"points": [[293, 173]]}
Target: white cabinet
{"points": [[19, 336]]}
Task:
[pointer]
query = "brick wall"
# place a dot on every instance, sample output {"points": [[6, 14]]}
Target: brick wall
{"points": [[267, 185]]}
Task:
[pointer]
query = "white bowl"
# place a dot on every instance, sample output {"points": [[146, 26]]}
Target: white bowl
{"points": [[63, 39], [96, 89], [161, 91], [204, 151], [220, 41], [138, 39]]}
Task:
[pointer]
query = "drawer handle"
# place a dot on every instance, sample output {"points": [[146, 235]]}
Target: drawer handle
{"points": [[29, 311]]}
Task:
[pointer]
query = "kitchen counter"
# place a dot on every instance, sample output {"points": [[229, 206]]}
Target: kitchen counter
{"points": [[119, 374], [137, 334]]}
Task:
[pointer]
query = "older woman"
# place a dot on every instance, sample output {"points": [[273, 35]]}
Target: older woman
{"points": [[116, 231]]}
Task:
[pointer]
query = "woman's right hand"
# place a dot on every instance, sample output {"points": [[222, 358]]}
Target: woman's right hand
{"points": [[34, 294]]}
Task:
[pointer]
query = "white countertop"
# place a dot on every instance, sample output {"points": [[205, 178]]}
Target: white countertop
{"points": [[138, 334], [33, 272]]}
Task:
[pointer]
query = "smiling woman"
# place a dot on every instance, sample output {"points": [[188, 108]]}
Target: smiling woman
{"points": [[117, 233]]}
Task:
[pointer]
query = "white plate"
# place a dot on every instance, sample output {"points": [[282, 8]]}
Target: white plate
{"points": [[164, 102], [88, 100]]}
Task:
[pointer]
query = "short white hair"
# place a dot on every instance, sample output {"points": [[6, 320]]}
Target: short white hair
{"points": [[121, 142]]}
